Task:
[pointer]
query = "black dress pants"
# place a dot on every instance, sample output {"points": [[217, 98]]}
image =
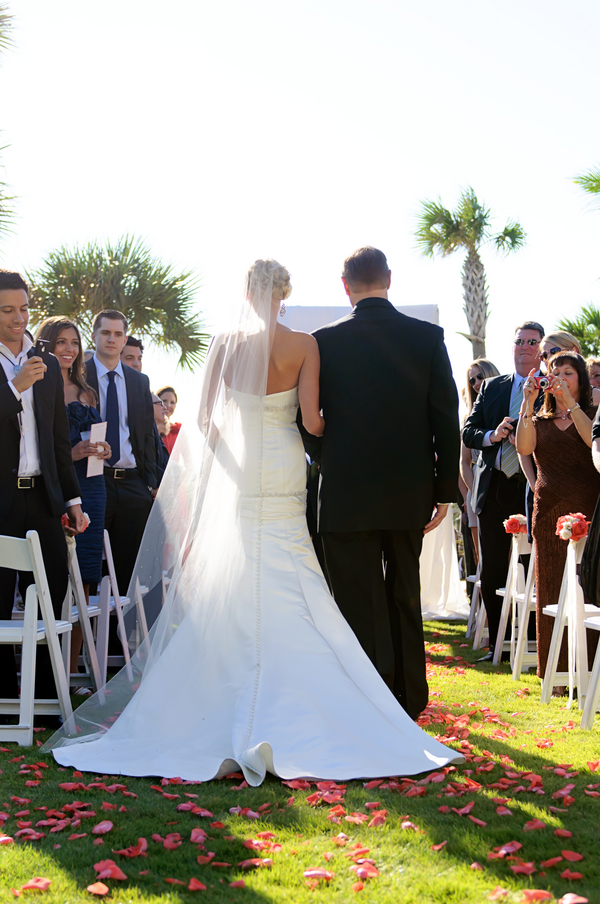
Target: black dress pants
{"points": [[374, 577], [505, 497], [30, 510], [128, 504]]}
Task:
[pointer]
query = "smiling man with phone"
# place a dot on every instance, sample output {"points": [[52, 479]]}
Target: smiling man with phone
{"points": [[37, 477]]}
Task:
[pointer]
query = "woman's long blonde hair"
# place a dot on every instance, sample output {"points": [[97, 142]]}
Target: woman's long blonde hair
{"points": [[487, 369]]}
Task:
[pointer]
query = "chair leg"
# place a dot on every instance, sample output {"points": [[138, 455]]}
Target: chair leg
{"points": [[28, 655], [479, 627], [592, 699]]}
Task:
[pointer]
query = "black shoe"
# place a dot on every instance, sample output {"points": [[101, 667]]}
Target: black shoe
{"points": [[504, 657]]}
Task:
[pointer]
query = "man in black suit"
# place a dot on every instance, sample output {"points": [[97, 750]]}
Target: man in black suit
{"points": [[389, 468], [499, 485], [130, 475], [37, 477]]}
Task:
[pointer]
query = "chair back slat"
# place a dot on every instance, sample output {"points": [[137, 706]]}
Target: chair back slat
{"points": [[14, 554]]}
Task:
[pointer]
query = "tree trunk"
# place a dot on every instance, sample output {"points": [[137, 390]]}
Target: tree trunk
{"points": [[476, 305]]}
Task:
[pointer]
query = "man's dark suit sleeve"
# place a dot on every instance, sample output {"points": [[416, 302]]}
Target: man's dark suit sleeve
{"points": [[476, 427], [9, 403], [67, 476], [149, 447], [443, 415]]}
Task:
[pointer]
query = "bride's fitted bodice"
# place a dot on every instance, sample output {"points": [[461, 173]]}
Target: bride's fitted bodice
{"points": [[275, 468]]}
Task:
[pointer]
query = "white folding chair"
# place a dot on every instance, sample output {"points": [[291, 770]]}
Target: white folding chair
{"points": [[522, 657], [592, 700], [82, 613], [515, 584], [474, 579], [26, 555], [115, 603], [570, 612]]}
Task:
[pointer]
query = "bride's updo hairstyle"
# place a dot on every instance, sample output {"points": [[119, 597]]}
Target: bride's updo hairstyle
{"points": [[264, 273]]}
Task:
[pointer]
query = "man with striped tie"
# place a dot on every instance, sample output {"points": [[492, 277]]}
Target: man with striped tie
{"points": [[499, 485]]}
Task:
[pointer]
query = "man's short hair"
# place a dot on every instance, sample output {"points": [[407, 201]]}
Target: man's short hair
{"points": [[366, 268], [135, 343], [531, 325], [110, 315], [10, 279]]}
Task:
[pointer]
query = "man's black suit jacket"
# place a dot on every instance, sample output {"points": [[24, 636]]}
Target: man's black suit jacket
{"points": [[391, 445], [491, 406], [140, 416], [58, 471]]}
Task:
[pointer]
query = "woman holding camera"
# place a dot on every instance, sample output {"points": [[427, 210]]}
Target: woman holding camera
{"points": [[560, 439]]}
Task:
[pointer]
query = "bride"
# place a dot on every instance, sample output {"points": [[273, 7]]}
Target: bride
{"points": [[249, 664]]}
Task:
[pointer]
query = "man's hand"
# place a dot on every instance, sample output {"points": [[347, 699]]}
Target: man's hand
{"points": [[440, 513], [32, 371], [76, 518], [502, 431]]}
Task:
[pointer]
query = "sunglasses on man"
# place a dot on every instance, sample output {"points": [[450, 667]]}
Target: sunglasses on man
{"points": [[531, 342], [545, 355], [473, 380]]}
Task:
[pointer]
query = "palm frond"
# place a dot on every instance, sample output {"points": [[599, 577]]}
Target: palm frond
{"points": [[158, 301], [511, 238], [589, 181], [6, 26], [7, 212], [586, 329], [474, 218], [437, 230]]}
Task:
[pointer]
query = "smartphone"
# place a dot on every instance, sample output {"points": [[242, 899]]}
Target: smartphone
{"points": [[41, 348]]}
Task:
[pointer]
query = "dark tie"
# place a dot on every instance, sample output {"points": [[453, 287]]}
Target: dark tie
{"points": [[112, 419]]}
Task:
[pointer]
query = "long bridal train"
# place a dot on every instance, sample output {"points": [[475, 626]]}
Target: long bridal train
{"points": [[272, 678]]}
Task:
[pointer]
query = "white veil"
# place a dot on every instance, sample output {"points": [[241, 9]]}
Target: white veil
{"points": [[193, 536]]}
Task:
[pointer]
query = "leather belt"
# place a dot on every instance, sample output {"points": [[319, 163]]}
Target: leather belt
{"points": [[121, 473], [26, 483]]}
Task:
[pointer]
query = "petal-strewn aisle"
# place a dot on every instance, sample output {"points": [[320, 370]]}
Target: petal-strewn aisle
{"points": [[518, 822]]}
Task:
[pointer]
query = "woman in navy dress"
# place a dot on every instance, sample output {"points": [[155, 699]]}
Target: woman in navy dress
{"points": [[80, 399]]}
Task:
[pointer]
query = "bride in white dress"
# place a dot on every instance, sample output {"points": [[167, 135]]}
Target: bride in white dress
{"points": [[250, 664]]}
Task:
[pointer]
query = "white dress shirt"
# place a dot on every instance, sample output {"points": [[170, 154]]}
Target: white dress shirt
{"points": [[127, 459], [29, 447]]}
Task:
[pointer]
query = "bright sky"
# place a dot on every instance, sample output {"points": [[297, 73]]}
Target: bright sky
{"points": [[302, 129]]}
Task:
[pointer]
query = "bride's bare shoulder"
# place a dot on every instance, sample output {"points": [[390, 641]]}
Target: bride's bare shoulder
{"points": [[295, 338]]}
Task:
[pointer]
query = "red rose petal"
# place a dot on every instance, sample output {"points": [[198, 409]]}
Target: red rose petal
{"points": [[534, 824], [535, 894], [358, 886], [551, 862], [567, 874], [498, 893], [572, 856], [572, 898], [38, 882], [438, 847], [196, 885], [563, 833], [102, 828], [239, 883], [98, 888]]}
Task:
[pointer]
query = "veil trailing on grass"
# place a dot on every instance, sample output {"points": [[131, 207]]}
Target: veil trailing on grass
{"points": [[193, 536]]}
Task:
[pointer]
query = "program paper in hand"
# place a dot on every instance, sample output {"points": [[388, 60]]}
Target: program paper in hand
{"points": [[95, 465]]}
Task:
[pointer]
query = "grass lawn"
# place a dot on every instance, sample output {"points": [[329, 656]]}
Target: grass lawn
{"points": [[530, 771]]}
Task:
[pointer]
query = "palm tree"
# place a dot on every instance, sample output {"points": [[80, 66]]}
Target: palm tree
{"points": [[6, 210], [468, 228], [585, 328], [157, 301]]}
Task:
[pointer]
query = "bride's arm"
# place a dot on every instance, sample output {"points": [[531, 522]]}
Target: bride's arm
{"points": [[308, 389]]}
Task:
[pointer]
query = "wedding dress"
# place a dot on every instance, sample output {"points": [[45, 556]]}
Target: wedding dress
{"points": [[260, 672]]}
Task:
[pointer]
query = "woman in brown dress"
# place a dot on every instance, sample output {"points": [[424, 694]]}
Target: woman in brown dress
{"points": [[560, 438]]}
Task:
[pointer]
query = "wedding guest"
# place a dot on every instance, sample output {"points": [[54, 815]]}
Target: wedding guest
{"points": [[161, 421], [559, 437], [132, 353], [82, 411], [593, 368], [168, 395], [130, 472], [37, 476], [477, 372], [499, 483], [562, 341]]}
